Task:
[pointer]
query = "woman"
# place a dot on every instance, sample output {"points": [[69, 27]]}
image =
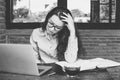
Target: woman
{"points": [[56, 40]]}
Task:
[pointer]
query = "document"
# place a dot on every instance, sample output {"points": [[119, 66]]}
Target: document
{"points": [[88, 64]]}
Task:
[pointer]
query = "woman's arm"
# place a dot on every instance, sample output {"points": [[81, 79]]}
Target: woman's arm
{"points": [[35, 48], [33, 44], [72, 48]]}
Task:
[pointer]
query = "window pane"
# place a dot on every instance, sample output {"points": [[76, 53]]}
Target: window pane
{"points": [[113, 10], [106, 12], [31, 10], [80, 10]]}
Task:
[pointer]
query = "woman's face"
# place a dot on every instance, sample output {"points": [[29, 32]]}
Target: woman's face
{"points": [[54, 25]]}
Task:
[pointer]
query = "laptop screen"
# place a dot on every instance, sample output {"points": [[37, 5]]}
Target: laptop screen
{"points": [[18, 58]]}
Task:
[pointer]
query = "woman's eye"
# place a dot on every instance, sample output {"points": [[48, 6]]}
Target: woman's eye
{"points": [[50, 24], [58, 28]]}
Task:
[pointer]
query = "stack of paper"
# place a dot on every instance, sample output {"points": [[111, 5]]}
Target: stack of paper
{"points": [[90, 63]]}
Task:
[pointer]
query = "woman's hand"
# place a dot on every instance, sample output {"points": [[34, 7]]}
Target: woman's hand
{"points": [[69, 21]]}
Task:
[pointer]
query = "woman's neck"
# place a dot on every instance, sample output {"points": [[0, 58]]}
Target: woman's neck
{"points": [[50, 36]]}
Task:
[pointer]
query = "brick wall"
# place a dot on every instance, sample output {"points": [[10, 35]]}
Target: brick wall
{"points": [[2, 20], [102, 43], [2, 14], [97, 43]]}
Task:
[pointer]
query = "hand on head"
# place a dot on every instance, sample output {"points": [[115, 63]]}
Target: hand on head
{"points": [[69, 22]]}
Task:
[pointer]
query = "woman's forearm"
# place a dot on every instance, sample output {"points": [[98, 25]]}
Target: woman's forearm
{"points": [[72, 49]]}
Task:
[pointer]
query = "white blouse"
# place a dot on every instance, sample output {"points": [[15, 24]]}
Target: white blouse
{"points": [[46, 47]]}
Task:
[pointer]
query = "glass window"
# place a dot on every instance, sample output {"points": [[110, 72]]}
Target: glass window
{"points": [[107, 11], [80, 10], [29, 14], [31, 10], [94, 11]]}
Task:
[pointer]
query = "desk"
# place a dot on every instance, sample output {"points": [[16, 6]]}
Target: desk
{"points": [[86, 75]]}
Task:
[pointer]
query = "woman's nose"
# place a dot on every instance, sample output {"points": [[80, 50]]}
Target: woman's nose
{"points": [[52, 29]]}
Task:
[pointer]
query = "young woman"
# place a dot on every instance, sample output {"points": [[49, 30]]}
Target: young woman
{"points": [[56, 40]]}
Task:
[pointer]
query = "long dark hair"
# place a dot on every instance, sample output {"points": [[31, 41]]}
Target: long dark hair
{"points": [[62, 35]]}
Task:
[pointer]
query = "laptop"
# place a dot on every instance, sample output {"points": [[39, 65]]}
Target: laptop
{"points": [[20, 59]]}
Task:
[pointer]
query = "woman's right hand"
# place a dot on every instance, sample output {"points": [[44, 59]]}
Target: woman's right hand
{"points": [[67, 18]]}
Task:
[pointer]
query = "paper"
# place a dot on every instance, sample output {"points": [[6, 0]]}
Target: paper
{"points": [[90, 63]]}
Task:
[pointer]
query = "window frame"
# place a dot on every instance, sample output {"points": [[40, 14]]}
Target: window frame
{"points": [[63, 3]]}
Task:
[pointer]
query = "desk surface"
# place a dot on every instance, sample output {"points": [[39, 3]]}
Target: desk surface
{"points": [[86, 75]]}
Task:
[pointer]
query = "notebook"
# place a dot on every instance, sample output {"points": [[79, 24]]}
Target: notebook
{"points": [[20, 59]]}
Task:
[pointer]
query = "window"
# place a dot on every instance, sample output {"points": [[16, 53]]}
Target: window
{"points": [[80, 10], [102, 11], [88, 14], [107, 11], [25, 11]]}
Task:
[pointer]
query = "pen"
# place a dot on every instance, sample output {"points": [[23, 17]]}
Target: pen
{"points": [[51, 74]]}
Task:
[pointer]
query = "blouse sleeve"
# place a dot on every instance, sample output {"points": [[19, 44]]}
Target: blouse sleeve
{"points": [[33, 41], [72, 50]]}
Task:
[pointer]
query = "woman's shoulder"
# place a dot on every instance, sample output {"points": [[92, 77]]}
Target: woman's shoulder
{"points": [[37, 34], [38, 31]]}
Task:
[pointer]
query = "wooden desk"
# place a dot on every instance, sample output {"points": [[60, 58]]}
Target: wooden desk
{"points": [[86, 75]]}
